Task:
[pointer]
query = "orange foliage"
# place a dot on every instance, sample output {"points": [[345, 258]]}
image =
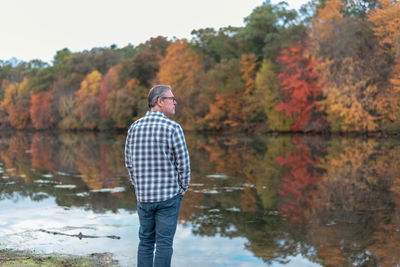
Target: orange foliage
{"points": [[88, 165], [17, 104], [323, 27], [226, 90], [386, 27], [110, 83], [15, 159], [182, 69], [41, 110], [251, 97], [217, 114], [19, 114], [41, 151], [248, 64]]}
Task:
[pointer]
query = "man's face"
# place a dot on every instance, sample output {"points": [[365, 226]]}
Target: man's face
{"points": [[168, 104]]}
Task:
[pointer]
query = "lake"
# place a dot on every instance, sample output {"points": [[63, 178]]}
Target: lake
{"points": [[279, 200]]}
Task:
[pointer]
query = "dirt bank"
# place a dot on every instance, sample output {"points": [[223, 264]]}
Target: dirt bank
{"points": [[13, 258]]}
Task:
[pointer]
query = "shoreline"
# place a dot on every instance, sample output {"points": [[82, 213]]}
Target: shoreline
{"points": [[11, 258]]}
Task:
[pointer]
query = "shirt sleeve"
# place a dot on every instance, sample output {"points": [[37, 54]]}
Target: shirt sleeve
{"points": [[182, 160], [128, 155]]}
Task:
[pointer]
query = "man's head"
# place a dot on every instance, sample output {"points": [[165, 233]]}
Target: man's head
{"points": [[162, 99]]}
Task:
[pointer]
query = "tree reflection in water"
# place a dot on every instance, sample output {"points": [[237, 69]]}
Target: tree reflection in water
{"points": [[334, 201]]}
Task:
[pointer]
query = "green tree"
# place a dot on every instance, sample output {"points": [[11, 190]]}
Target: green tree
{"points": [[226, 90], [269, 29], [268, 95], [145, 64], [217, 45]]}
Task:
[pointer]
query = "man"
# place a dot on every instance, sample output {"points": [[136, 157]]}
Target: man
{"points": [[158, 163]]}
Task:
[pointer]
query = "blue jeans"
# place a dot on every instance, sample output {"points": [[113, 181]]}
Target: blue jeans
{"points": [[158, 222]]}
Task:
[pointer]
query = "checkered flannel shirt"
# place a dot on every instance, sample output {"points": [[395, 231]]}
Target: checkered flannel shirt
{"points": [[157, 158]]}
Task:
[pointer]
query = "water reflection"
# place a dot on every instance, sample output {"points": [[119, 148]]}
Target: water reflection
{"points": [[75, 169], [332, 201]]}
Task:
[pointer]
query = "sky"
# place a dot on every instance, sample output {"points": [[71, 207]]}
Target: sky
{"points": [[37, 29]]}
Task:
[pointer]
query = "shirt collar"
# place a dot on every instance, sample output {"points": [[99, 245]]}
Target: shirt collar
{"points": [[155, 113]]}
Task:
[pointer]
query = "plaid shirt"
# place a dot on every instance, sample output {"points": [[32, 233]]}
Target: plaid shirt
{"points": [[157, 158]]}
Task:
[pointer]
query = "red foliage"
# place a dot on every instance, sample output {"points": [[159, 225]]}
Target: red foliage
{"points": [[299, 186], [41, 110], [299, 84]]}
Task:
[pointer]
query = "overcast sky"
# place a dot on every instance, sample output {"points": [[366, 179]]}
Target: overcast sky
{"points": [[36, 29]]}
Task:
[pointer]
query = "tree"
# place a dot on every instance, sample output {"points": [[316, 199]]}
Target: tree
{"points": [[251, 108], [386, 27], [269, 29], [143, 67], [217, 45], [17, 104], [109, 84], [60, 61], [42, 80], [299, 84], [41, 111], [66, 107], [346, 58], [225, 90], [86, 100], [121, 103], [182, 68], [145, 64], [268, 96]]}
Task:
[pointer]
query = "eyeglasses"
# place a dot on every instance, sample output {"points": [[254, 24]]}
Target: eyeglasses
{"points": [[170, 97]]}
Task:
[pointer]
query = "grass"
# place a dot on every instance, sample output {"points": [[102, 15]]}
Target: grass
{"points": [[13, 258]]}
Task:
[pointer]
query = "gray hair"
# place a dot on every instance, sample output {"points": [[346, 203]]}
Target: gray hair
{"points": [[156, 92]]}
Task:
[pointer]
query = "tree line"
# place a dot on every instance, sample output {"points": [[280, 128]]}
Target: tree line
{"points": [[330, 66]]}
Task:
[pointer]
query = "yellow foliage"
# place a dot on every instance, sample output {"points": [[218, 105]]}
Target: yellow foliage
{"points": [[17, 103], [9, 95], [386, 22], [90, 86], [323, 26], [87, 102], [348, 99]]}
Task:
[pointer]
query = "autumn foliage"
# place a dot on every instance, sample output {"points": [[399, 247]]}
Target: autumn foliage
{"points": [[335, 68], [299, 185], [299, 84], [182, 69], [41, 110]]}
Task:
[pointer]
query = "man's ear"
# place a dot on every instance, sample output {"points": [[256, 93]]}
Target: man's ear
{"points": [[160, 101]]}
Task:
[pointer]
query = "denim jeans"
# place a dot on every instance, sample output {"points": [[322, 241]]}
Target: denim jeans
{"points": [[158, 222]]}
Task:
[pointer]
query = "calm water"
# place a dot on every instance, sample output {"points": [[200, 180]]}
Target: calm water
{"points": [[273, 200]]}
